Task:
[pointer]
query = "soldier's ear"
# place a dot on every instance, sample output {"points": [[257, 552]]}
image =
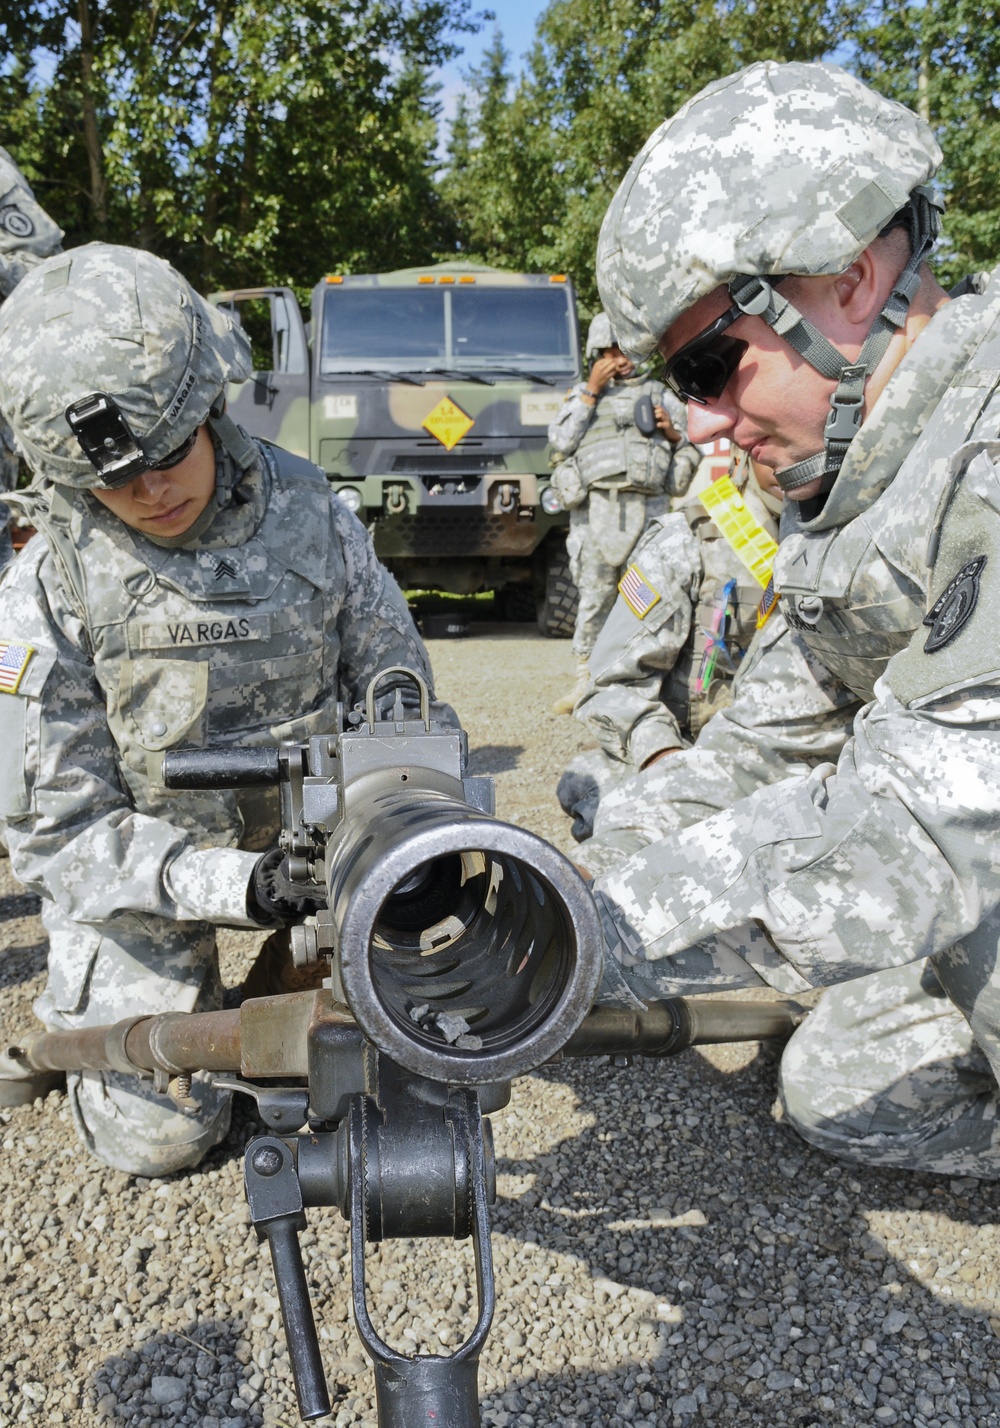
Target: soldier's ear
{"points": [[857, 291]]}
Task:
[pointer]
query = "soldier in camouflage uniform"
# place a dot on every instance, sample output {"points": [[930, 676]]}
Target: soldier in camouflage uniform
{"points": [[685, 615], [612, 477], [770, 239], [190, 587], [27, 236]]}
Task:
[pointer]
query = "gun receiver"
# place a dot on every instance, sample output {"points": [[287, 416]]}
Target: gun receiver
{"points": [[463, 952]]}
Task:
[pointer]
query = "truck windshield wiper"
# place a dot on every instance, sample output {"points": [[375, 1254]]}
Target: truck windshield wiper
{"points": [[456, 372], [528, 376], [380, 373]]}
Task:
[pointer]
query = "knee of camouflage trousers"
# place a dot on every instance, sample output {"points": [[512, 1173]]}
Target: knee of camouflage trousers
{"points": [[884, 1073], [126, 1124], [134, 965]]}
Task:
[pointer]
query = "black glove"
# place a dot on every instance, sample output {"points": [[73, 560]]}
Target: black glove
{"points": [[273, 900]]}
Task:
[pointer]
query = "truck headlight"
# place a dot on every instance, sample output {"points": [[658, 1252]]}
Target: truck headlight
{"points": [[550, 501], [351, 497]]}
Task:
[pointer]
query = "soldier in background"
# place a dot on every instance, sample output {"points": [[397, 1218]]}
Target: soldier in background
{"points": [[686, 612], [189, 586], [27, 236], [624, 453], [771, 240]]}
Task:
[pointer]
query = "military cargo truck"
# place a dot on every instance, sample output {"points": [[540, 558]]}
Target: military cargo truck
{"points": [[425, 395]]}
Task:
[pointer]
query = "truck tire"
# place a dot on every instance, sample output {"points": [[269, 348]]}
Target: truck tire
{"points": [[517, 604], [557, 607]]}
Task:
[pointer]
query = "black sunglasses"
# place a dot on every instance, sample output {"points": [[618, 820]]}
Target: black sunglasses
{"points": [[699, 371]]}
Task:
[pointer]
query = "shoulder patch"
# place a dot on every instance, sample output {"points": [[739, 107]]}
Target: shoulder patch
{"points": [[16, 223], [768, 601], [953, 608], [637, 592], [14, 661]]}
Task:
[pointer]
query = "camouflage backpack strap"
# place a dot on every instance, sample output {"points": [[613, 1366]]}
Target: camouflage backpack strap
{"points": [[50, 511], [291, 468]]}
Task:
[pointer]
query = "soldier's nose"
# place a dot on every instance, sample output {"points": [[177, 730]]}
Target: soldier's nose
{"points": [[707, 423], [149, 487]]}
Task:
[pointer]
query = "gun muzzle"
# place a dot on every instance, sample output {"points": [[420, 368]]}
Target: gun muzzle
{"points": [[468, 950]]}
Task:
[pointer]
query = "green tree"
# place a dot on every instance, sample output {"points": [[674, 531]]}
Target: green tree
{"points": [[247, 142], [532, 166], [942, 59]]}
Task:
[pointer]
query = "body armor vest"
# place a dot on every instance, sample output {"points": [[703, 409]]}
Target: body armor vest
{"points": [[854, 580], [691, 707], [614, 452], [206, 647]]}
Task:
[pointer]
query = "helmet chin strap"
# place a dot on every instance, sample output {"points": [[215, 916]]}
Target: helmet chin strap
{"points": [[759, 298]]}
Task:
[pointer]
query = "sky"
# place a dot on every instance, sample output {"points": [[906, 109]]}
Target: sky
{"points": [[516, 21]]}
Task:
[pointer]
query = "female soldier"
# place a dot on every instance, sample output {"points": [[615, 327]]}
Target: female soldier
{"points": [[190, 586]]}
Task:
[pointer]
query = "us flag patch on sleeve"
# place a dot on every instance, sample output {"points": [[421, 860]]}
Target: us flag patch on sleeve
{"points": [[767, 603], [637, 592], [13, 662]]}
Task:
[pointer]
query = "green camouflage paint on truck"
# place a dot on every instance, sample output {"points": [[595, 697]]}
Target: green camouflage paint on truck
{"points": [[453, 504]]}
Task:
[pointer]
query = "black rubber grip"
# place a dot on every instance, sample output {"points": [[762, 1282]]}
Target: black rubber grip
{"points": [[221, 768]]}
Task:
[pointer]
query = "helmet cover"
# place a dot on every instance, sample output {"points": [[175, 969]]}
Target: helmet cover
{"points": [[119, 321], [599, 335], [779, 168]]}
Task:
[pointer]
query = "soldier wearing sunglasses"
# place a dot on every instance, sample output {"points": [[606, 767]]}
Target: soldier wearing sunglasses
{"points": [[189, 587], [838, 824]]}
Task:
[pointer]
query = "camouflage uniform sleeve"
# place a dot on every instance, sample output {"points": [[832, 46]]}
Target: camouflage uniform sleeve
{"points": [[73, 833], [687, 456], [567, 430], [27, 233], [788, 714], [375, 626], [622, 708], [885, 859]]}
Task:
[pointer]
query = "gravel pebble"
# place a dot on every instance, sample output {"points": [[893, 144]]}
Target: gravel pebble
{"points": [[667, 1252]]}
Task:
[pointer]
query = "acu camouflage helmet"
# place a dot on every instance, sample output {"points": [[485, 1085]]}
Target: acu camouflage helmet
{"points": [[117, 321], [778, 169], [599, 335]]}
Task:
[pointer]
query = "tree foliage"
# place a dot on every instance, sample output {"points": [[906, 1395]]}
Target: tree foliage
{"points": [[942, 58], [270, 143], [533, 165], [246, 141]]}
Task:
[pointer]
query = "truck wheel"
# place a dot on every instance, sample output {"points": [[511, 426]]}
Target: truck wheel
{"points": [[557, 608], [517, 604]]}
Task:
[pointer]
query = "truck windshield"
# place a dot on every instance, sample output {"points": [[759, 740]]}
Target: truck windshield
{"points": [[427, 328]]}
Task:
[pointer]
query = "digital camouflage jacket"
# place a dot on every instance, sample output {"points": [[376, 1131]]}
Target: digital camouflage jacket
{"points": [[250, 636], [888, 855]]}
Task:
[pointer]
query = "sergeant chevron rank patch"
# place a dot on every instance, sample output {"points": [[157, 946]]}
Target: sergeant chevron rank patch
{"points": [[953, 608]]}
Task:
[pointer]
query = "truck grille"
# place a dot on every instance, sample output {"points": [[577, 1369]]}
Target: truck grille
{"points": [[455, 532], [447, 462]]}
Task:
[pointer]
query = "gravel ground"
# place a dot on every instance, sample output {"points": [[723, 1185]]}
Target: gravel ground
{"points": [[667, 1252]]}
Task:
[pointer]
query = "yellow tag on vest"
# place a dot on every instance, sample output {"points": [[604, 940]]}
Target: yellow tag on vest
{"points": [[750, 542]]}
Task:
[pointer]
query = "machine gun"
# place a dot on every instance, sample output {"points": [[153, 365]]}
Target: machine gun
{"points": [[462, 952]]}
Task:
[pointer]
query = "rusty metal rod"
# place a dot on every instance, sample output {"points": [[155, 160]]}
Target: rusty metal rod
{"points": [[173, 1041], [668, 1027], [178, 1042]]}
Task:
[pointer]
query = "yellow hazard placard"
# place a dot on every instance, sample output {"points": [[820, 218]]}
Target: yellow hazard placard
{"points": [[447, 422]]}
